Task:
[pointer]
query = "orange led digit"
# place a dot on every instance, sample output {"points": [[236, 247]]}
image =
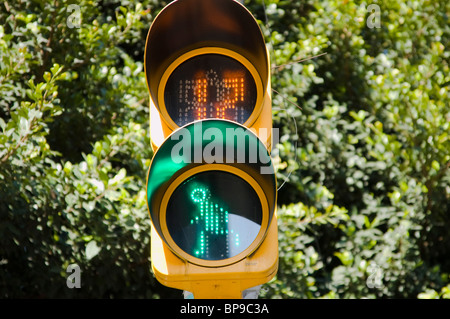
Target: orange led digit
{"points": [[242, 89], [201, 93], [234, 93]]}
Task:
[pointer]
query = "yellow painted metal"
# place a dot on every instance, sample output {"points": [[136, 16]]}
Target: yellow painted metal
{"points": [[227, 282]]}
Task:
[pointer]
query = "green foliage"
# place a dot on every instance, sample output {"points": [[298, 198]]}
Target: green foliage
{"points": [[74, 149], [374, 133], [364, 208]]}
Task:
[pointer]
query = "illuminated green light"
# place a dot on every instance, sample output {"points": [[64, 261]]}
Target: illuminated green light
{"points": [[215, 221], [198, 195], [214, 215]]}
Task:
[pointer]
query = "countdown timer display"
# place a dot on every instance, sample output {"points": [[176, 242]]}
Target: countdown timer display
{"points": [[210, 86]]}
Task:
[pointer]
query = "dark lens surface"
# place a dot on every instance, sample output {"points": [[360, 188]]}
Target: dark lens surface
{"points": [[214, 215], [210, 86]]}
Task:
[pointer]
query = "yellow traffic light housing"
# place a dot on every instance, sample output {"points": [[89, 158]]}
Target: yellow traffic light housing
{"points": [[211, 187]]}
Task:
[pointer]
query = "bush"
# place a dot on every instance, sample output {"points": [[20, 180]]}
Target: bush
{"points": [[372, 141], [74, 151]]}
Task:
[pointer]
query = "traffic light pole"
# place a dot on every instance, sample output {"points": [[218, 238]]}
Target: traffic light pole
{"points": [[250, 293]]}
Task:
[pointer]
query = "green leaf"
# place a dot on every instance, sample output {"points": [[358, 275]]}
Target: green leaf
{"points": [[92, 250], [47, 76], [2, 124]]}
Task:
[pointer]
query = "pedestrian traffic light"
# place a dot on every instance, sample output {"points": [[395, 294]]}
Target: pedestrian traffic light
{"points": [[211, 187]]}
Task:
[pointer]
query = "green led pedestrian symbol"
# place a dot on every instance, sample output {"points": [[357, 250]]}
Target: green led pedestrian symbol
{"points": [[212, 220]]}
